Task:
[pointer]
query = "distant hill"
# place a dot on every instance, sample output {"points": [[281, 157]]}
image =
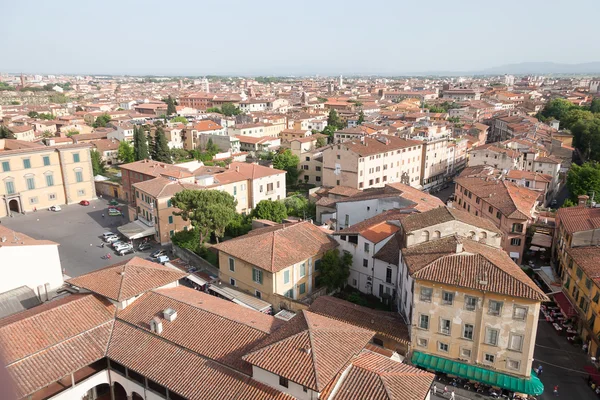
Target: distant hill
{"points": [[542, 68]]}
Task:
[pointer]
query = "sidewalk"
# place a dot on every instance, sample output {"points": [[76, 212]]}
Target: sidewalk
{"points": [[459, 393]]}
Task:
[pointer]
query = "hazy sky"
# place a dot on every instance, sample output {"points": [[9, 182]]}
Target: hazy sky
{"points": [[291, 37]]}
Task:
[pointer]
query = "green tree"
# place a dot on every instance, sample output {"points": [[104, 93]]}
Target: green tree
{"points": [[586, 137], [321, 142], [171, 106], [240, 225], [151, 146], [179, 155], [125, 153], [595, 106], [182, 120], [568, 203], [209, 211], [72, 132], [98, 164], [58, 98], [361, 118], [189, 239], [287, 161], [334, 120], [46, 116], [335, 269], [211, 147], [229, 110], [101, 121], [32, 114], [329, 130], [573, 116], [299, 206], [272, 210], [584, 179], [78, 109], [214, 110], [6, 133], [557, 108], [161, 148], [140, 143]]}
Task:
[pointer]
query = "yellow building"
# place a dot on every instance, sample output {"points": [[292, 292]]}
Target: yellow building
{"points": [[473, 310], [34, 176], [281, 259]]}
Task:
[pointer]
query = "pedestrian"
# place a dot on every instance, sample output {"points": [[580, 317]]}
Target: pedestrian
{"points": [[452, 395], [445, 389], [102, 215], [434, 389], [556, 390], [540, 370]]}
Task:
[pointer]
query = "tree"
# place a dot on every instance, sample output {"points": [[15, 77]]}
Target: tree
{"points": [[335, 269], [595, 106], [586, 137], [209, 211], [287, 161], [272, 210], [573, 116], [321, 142], [78, 108], [179, 155], [32, 114], [299, 206], [240, 225], [72, 132], [151, 146], [557, 108], [214, 110], [6, 133], [584, 179], [568, 203], [140, 144], [329, 130], [211, 147], [361, 118], [182, 120], [171, 106], [334, 120], [125, 153], [98, 164], [101, 121], [161, 148], [229, 110]]}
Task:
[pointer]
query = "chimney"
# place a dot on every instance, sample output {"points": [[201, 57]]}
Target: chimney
{"points": [[170, 314], [459, 247], [582, 200], [237, 168], [156, 325]]}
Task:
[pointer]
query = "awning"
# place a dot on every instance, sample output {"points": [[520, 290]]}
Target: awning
{"points": [[197, 280], [541, 240], [532, 386], [565, 305], [594, 374], [136, 230], [549, 277], [240, 298], [534, 248]]}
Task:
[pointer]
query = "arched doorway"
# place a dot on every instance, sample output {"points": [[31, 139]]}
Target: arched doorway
{"points": [[13, 206], [135, 396], [100, 392], [119, 391]]}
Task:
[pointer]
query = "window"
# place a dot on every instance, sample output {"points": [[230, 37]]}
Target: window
{"points": [[388, 275], [443, 347], [422, 342], [491, 336], [513, 364], [269, 187], [5, 166], [515, 241], [302, 288], [46, 160], [470, 303], [75, 157], [489, 358], [10, 187], [231, 264], [517, 228], [423, 321], [519, 312], [30, 183], [52, 196], [26, 163], [283, 381], [257, 275], [588, 283], [498, 214], [317, 264], [171, 233], [515, 342], [366, 247], [49, 180], [169, 204], [232, 281], [33, 200], [170, 219], [445, 325], [286, 276], [289, 294], [426, 294], [491, 209], [468, 331], [78, 176], [302, 269], [365, 262], [596, 296], [465, 353], [447, 298], [495, 307], [579, 273], [258, 294]]}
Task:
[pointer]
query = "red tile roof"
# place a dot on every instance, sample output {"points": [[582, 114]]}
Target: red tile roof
{"points": [[578, 219], [440, 215]]}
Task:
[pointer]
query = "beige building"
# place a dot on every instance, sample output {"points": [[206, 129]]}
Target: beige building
{"points": [[276, 264], [372, 162], [34, 176]]}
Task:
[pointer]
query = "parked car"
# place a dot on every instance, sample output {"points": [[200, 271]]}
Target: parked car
{"points": [[84, 203], [553, 202], [144, 246], [162, 259], [114, 212], [114, 208], [107, 234], [158, 253], [126, 251], [55, 208], [111, 239], [118, 242], [123, 246]]}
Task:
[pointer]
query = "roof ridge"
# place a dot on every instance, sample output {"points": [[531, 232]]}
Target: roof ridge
{"points": [[122, 274], [274, 234], [312, 352]]}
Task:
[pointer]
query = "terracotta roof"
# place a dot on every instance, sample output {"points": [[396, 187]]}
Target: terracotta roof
{"points": [[373, 145], [383, 379], [587, 259], [275, 248], [344, 191], [388, 324], [14, 239], [377, 228], [578, 219], [164, 187], [128, 279], [310, 350], [207, 125], [155, 168], [423, 201], [528, 175], [106, 144], [513, 201], [495, 149], [390, 252], [445, 214], [438, 261]]}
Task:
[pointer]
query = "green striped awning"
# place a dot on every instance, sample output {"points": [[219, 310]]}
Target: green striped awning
{"points": [[531, 386]]}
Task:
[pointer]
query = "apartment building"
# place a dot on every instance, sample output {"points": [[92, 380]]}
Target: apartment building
{"points": [[35, 176], [458, 94], [498, 157], [192, 136], [510, 207], [434, 139], [256, 130], [311, 159], [373, 162], [277, 266]]}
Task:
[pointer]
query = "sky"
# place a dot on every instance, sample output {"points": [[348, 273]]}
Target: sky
{"points": [[263, 37]]}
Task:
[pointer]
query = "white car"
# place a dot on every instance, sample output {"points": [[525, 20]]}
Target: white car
{"points": [[126, 251], [117, 243], [107, 234], [55, 208], [111, 239], [122, 247]]}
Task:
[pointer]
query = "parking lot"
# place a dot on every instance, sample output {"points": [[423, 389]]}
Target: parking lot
{"points": [[78, 230]]}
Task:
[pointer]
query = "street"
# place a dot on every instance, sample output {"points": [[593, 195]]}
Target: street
{"points": [[444, 194], [77, 229]]}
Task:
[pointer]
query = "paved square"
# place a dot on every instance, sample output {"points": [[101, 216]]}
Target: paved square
{"points": [[77, 229]]}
